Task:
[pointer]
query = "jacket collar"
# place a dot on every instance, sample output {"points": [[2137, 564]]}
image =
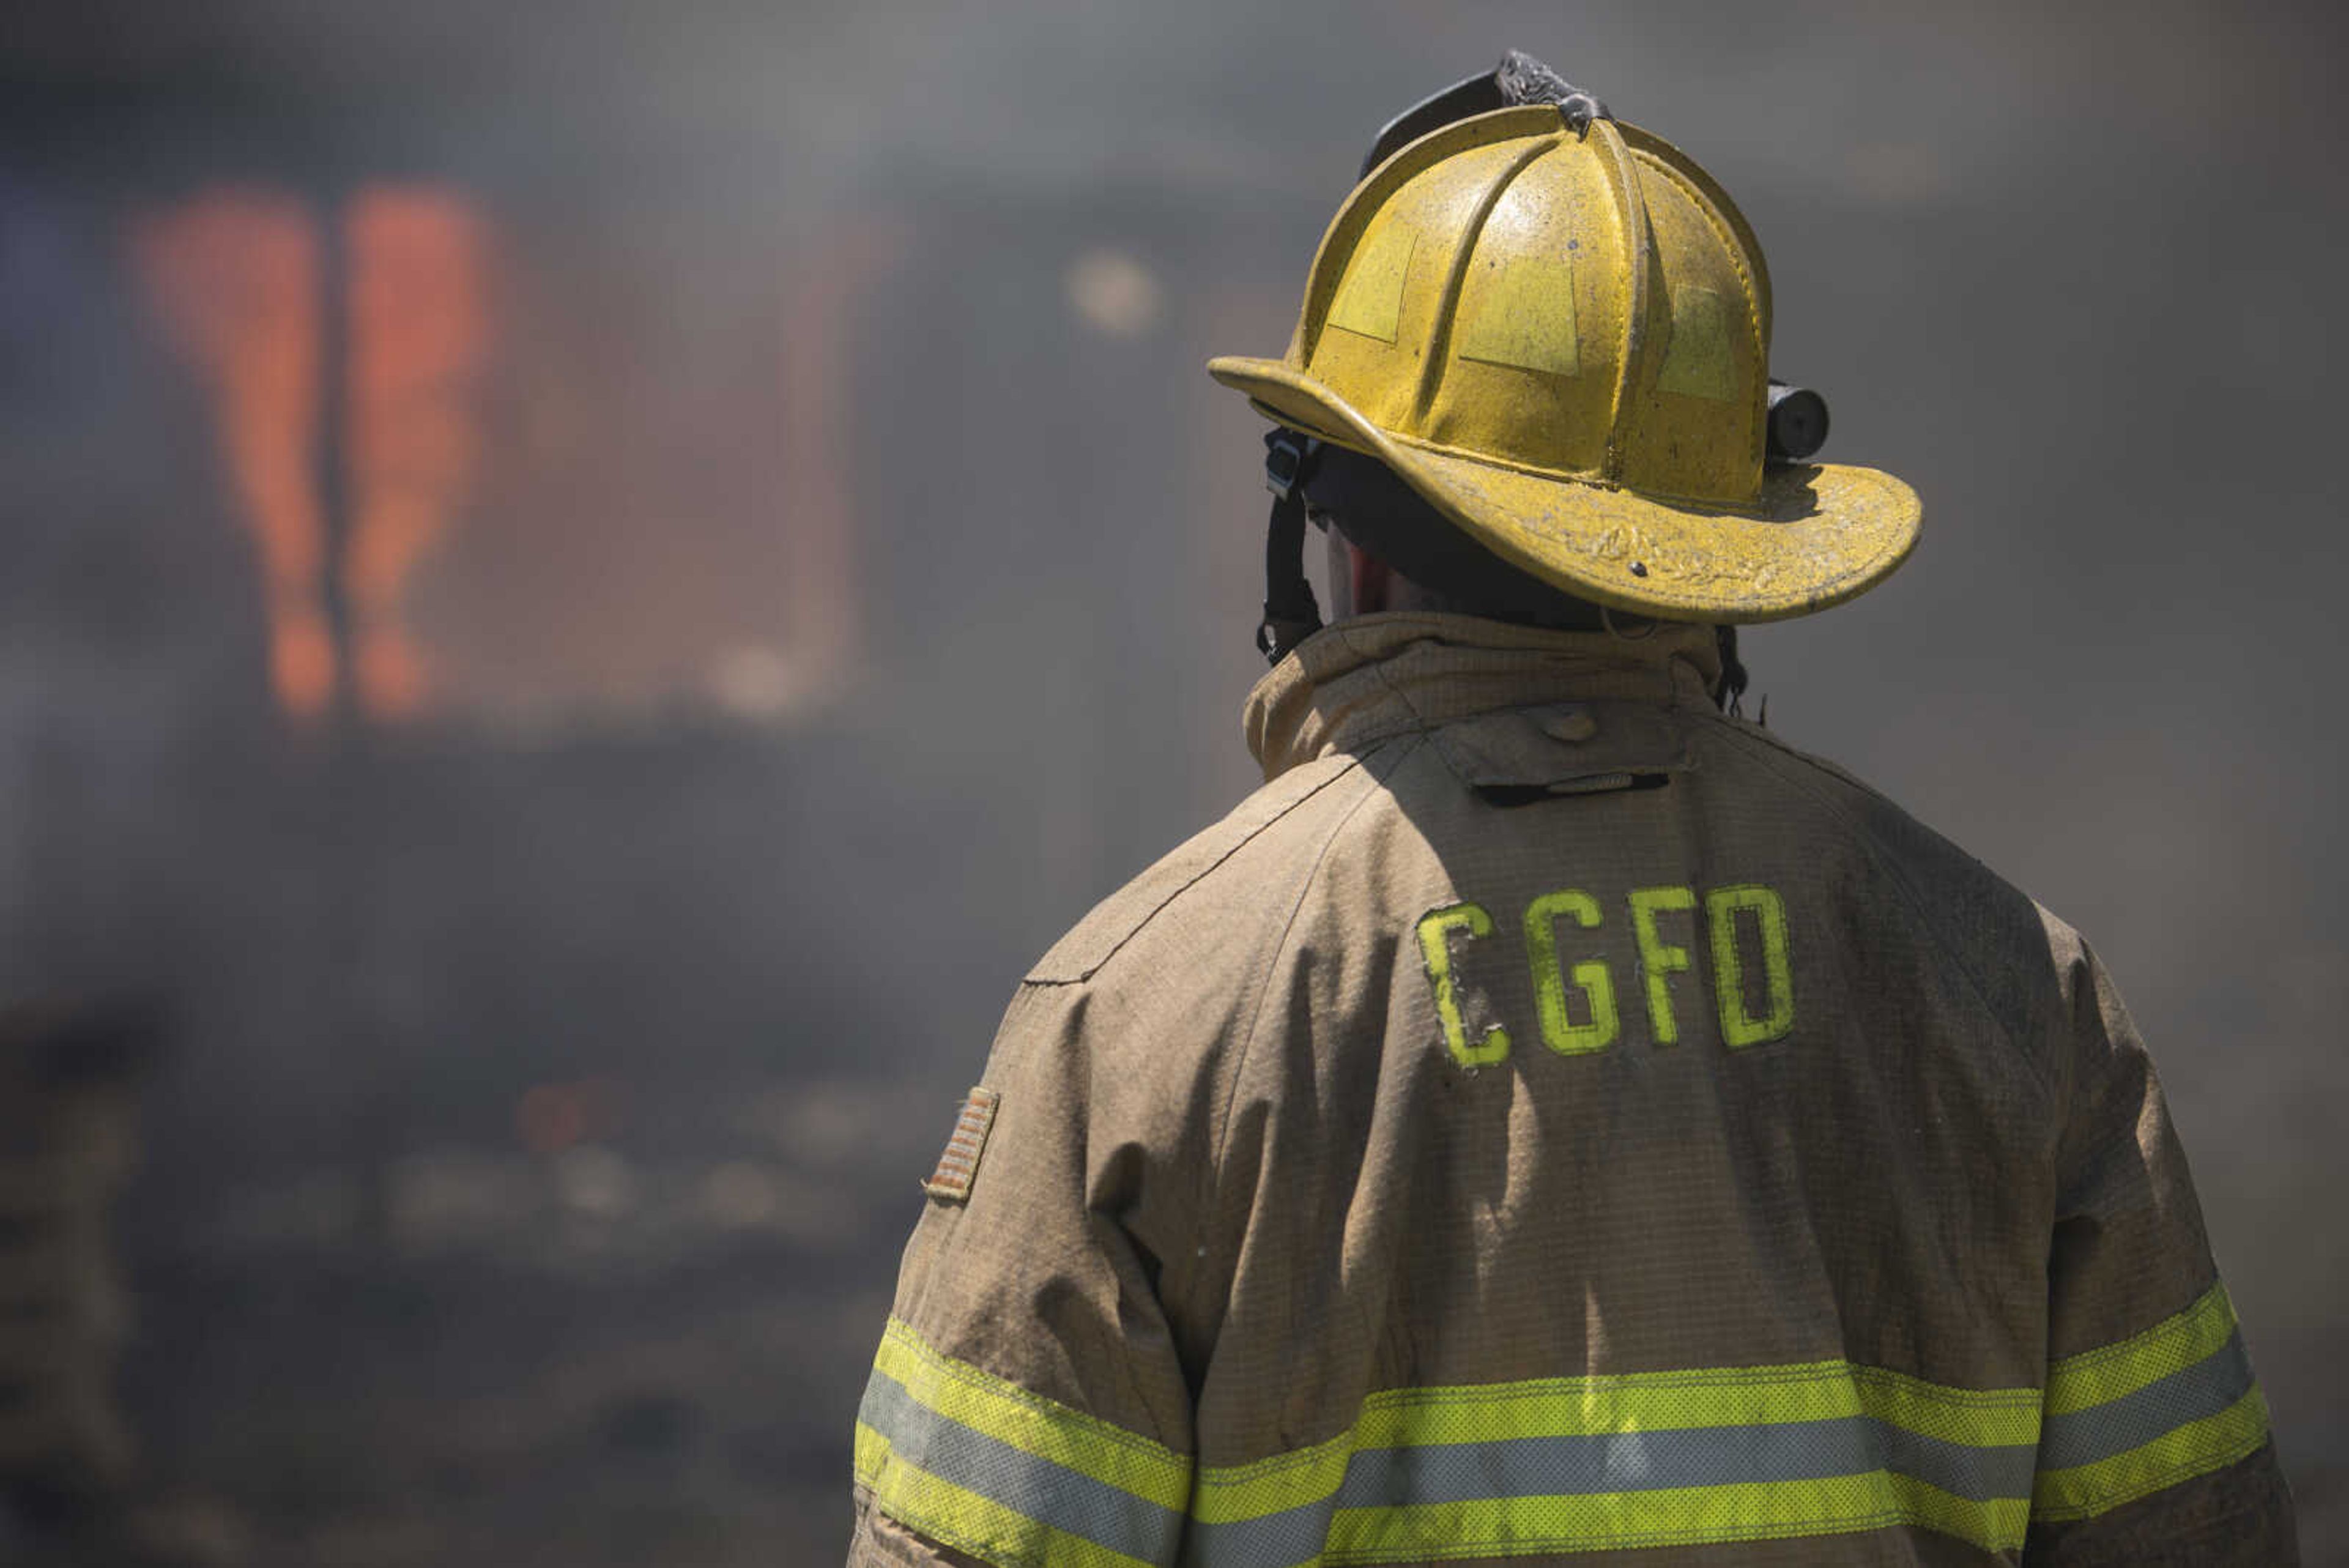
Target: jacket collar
{"points": [[1372, 677]]}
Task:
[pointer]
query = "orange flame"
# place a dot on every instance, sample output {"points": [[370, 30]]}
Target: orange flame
{"points": [[235, 276], [419, 335]]}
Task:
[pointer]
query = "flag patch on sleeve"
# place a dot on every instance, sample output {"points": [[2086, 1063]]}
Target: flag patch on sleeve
{"points": [[958, 1166]]}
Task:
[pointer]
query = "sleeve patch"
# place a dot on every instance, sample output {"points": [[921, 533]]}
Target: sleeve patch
{"points": [[958, 1166]]}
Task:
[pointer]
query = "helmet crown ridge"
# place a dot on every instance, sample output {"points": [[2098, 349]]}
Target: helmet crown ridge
{"points": [[1567, 302]]}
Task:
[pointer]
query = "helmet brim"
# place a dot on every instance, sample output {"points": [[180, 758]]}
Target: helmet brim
{"points": [[1814, 536]]}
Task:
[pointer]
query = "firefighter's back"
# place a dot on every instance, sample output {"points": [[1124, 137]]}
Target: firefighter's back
{"points": [[1664, 1142], [1550, 1118]]}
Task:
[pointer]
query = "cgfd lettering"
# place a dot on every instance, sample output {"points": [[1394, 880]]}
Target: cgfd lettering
{"points": [[1657, 915]]}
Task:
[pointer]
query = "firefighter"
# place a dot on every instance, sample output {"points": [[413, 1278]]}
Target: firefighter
{"points": [[1554, 1120]]}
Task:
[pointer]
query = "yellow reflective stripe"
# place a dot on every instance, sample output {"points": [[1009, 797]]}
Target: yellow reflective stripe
{"points": [[2194, 1448], [1720, 1396], [2099, 1377], [1980, 1417], [871, 1451], [2160, 1407], [957, 1517], [1773, 1511], [1624, 1403], [1031, 1423], [1227, 1494]]}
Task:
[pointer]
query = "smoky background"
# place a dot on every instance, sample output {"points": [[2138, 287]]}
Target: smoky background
{"points": [[583, 586]]}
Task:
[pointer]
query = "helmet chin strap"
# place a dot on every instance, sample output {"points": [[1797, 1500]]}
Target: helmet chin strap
{"points": [[1291, 613]]}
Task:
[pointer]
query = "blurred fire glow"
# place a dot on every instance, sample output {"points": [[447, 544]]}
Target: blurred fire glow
{"points": [[818, 363], [552, 1117], [419, 335], [236, 275]]}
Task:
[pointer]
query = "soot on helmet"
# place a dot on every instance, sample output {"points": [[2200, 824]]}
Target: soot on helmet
{"points": [[1374, 507]]}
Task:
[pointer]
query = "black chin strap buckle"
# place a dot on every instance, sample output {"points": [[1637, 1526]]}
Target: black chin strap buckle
{"points": [[1291, 614], [1275, 639], [1288, 455]]}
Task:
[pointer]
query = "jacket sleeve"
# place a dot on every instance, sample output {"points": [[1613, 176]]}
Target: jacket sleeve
{"points": [[2154, 1446], [1027, 1405]]}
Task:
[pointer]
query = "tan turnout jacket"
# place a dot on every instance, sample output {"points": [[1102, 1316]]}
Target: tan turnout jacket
{"points": [[1552, 1122]]}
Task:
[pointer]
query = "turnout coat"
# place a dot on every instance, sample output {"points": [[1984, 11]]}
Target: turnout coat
{"points": [[1553, 1122]]}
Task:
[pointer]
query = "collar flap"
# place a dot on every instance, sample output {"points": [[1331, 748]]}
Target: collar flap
{"points": [[1566, 748]]}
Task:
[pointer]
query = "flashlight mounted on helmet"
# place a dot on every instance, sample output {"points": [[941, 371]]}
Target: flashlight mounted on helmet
{"points": [[1798, 423]]}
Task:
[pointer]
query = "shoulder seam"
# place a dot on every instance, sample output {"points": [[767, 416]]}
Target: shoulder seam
{"points": [[1215, 1164], [1876, 852], [1086, 977]]}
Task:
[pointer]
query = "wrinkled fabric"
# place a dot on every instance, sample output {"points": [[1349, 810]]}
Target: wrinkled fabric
{"points": [[1751, 1178]]}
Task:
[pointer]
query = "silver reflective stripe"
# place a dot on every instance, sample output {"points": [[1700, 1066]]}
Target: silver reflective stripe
{"points": [[1033, 1488], [1618, 1462], [1276, 1540], [2160, 1407]]}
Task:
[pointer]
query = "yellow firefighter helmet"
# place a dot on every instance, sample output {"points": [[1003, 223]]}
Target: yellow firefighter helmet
{"points": [[1561, 337]]}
